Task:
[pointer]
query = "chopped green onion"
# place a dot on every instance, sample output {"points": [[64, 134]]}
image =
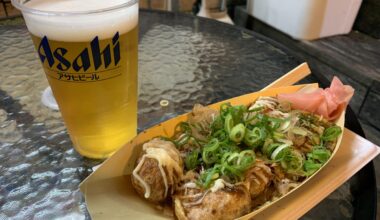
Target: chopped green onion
{"points": [[247, 152], [250, 118], [267, 142], [292, 161], [183, 140], [255, 137], [315, 159], [274, 123], [299, 131], [225, 156], [210, 154], [220, 135], [315, 139], [224, 108], [237, 133], [193, 141], [217, 124], [212, 145], [235, 164], [209, 157], [278, 135], [237, 113], [269, 148], [279, 120], [191, 160], [285, 141], [208, 176], [228, 147], [185, 127], [319, 154], [279, 152], [231, 170], [284, 125], [331, 133], [311, 167], [246, 158], [228, 123], [231, 157]]}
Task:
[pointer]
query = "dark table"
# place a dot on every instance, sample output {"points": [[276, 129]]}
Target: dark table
{"points": [[182, 59]]}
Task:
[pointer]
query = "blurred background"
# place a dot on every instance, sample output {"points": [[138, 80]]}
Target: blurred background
{"points": [[367, 20]]}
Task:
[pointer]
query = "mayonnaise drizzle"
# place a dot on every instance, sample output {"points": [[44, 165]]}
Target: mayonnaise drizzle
{"points": [[166, 156], [142, 182], [190, 185], [220, 184], [197, 202]]}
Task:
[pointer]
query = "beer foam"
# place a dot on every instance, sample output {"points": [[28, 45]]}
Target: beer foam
{"points": [[80, 27]]}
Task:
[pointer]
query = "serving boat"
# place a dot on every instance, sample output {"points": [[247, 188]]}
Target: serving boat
{"points": [[109, 192]]}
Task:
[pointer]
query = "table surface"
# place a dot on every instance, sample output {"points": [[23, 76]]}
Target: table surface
{"points": [[182, 59]]}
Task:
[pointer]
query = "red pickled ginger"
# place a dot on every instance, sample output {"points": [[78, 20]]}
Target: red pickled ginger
{"points": [[329, 102]]}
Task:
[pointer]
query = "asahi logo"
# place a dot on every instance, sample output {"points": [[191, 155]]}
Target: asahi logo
{"points": [[94, 55]]}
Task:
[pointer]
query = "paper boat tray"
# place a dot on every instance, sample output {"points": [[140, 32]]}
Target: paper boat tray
{"points": [[109, 193]]}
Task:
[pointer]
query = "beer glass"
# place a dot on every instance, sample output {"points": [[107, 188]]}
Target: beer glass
{"points": [[88, 50]]}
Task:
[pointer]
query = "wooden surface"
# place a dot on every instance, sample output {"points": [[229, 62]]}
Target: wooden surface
{"points": [[354, 153]]}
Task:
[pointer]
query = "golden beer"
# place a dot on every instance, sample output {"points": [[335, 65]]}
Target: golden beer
{"points": [[93, 77]]}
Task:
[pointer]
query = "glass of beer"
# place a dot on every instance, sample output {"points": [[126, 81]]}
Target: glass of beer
{"points": [[88, 49]]}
